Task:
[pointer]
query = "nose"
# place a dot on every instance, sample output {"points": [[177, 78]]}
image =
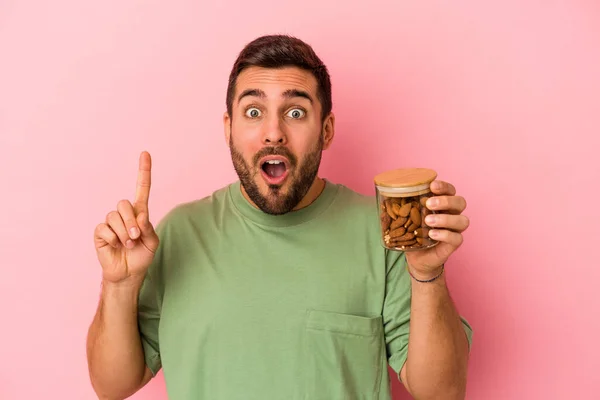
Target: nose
{"points": [[273, 133]]}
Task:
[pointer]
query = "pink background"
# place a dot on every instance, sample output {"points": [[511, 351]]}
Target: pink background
{"points": [[501, 98]]}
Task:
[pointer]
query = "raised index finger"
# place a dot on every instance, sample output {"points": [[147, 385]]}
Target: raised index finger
{"points": [[142, 191]]}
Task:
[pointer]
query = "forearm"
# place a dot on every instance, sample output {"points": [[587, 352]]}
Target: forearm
{"points": [[436, 366], [114, 350]]}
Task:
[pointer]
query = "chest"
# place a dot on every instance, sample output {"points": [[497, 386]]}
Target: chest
{"points": [[277, 278]]}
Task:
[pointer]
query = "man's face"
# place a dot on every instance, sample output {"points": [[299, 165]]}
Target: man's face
{"points": [[276, 136]]}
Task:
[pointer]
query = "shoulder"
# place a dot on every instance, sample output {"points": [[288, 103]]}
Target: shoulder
{"points": [[354, 210], [351, 201], [194, 210]]}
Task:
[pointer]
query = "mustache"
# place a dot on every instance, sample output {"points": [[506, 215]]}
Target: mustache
{"points": [[276, 151]]}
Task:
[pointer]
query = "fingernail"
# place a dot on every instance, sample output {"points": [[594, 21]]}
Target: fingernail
{"points": [[432, 202], [129, 244], [430, 220], [134, 232], [437, 185], [435, 233]]}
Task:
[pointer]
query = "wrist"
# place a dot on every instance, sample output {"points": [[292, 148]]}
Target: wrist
{"points": [[425, 276], [119, 300], [131, 284]]}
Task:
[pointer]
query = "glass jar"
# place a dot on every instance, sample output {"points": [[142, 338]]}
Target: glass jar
{"points": [[401, 195]]}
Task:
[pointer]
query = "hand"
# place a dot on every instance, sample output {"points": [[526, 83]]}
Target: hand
{"points": [[126, 242], [447, 227]]}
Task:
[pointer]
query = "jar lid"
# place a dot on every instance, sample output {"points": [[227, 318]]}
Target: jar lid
{"points": [[408, 178]]}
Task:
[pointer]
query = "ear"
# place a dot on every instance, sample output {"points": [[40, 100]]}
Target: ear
{"points": [[328, 130], [227, 127]]}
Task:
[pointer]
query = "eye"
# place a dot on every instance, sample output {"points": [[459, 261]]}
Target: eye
{"points": [[253, 112], [296, 113]]}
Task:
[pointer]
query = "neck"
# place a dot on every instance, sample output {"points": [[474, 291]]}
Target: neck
{"points": [[315, 190]]}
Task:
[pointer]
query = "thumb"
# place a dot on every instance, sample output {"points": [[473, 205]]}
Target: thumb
{"points": [[148, 235]]}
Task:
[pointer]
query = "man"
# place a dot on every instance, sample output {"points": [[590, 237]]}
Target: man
{"points": [[275, 286]]}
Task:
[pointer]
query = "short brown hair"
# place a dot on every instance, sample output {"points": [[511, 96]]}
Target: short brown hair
{"points": [[278, 51]]}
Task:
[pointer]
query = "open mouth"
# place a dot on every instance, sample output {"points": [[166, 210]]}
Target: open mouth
{"points": [[274, 170]]}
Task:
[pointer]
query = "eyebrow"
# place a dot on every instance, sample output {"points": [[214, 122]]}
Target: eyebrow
{"points": [[288, 94], [291, 93], [252, 92]]}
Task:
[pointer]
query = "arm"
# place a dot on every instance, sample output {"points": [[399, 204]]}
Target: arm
{"points": [[115, 355], [126, 244], [436, 366], [436, 363]]}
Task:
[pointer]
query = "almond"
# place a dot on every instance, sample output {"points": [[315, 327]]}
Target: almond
{"points": [[386, 220], [405, 210], [398, 223], [390, 209], [424, 241], [422, 232], [397, 232], [398, 209], [406, 236], [415, 215]]}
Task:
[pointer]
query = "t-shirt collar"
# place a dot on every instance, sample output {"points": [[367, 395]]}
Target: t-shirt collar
{"points": [[319, 205]]}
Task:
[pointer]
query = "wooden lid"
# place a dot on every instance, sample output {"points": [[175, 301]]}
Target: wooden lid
{"points": [[405, 177]]}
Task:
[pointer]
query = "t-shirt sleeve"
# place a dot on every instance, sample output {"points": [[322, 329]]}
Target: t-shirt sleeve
{"points": [[396, 311], [148, 323], [150, 305]]}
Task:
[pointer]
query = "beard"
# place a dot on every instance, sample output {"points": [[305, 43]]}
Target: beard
{"points": [[300, 178]]}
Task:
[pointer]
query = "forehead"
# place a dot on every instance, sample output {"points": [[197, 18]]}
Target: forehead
{"points": [[274, 81]]}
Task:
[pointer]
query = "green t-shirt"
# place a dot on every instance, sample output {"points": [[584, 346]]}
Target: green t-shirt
{"points": [[239, 304]]}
